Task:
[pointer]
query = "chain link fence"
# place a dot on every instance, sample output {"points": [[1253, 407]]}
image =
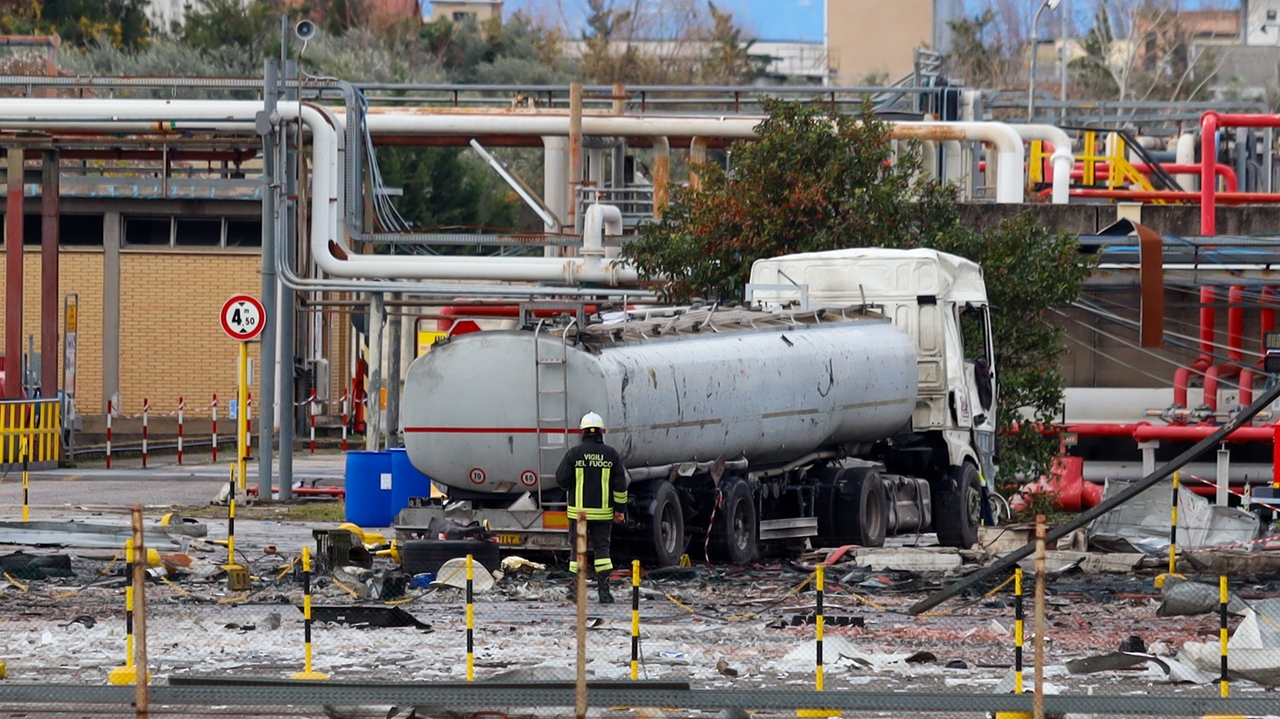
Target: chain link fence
{"points": [[694, 638]]}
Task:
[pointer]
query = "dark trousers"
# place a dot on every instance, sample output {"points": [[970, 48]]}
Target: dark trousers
{"points": [[599, 535]]}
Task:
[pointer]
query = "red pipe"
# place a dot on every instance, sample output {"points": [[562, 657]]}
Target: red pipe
{"points": [[1198, 432], [496, 311], [1235, 347], [1226, 198], [1182, 376], [1210, 122], [1104, 430], [1147, 432], [1266, 324], [1103, 170]]}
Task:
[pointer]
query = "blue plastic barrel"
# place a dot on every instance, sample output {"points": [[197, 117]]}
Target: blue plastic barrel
{"points": [[406, 480], [369, 483]]}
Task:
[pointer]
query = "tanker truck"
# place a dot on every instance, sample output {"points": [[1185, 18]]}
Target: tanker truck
{"points": [[852, 397]]}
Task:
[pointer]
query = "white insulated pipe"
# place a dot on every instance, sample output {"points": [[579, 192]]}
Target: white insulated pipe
{"points": [[1185, 154], [1062, 159], [159, 116], [423, 121]]}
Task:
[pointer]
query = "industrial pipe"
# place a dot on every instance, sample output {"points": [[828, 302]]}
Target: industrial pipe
{"points": [[1184, 155], [1210, 123], [449, 121], [1226, 198], [1266, 324], [1062, 159], [1103, 170], [1182, 375], [1235, 348], [1147, 432]]}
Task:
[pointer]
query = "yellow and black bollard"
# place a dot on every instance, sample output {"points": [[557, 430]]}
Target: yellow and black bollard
{"points": [[24, 445], [1223, 599], [127, 674], [1173, 537], [819, 623], [471, 622], [635, 619], [307, 671], [1019, 617]]}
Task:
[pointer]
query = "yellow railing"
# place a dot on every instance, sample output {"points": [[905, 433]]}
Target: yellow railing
{"points": [[31, 430]]}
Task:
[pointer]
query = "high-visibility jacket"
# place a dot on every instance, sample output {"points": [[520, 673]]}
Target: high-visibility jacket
{"points": [[593, 475]]}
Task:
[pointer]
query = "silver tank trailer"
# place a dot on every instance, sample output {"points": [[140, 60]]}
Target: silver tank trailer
{"points": [[470, 413]]}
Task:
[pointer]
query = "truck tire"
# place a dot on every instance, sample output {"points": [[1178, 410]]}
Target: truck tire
{"points": [[957, 512], [733, 536], [667, 530], [852, 508], [423, 556]]}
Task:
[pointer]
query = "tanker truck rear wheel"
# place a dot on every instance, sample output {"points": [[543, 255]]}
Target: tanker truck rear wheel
{"points": [[957, 511], [733, 537], [668, 525]]}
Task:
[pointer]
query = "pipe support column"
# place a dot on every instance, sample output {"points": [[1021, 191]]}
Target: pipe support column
{"points": [[13, 276]]}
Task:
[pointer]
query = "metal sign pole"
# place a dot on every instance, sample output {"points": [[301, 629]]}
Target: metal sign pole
{"points": [[242, 416]]}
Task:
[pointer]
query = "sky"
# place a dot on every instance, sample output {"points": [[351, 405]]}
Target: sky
{"points": [[764, 19], [795, 20]]}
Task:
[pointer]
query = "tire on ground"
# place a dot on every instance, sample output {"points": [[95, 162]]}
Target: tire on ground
{"points": [[859, 512], [422, 556], [957, 507]]}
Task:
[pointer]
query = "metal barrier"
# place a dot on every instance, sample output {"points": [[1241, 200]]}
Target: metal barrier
{"points": [[31, 430]]}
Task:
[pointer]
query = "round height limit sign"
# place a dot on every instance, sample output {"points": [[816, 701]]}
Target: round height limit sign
{"points": [[243, 318]]}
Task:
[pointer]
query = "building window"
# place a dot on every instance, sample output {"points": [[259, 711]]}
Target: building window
{"points": [[244, 233], [197, 233], [1271, 15], [148, 231], [463, 16], [191, 232], [80, 230]]}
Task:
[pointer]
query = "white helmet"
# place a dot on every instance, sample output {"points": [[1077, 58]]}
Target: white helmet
{"points": [[591, 420]]}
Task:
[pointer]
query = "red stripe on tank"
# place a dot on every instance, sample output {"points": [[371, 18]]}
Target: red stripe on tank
{"points": [[488, 430]]}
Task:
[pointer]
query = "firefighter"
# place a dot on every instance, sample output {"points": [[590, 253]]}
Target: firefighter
{"points": [[593, 475]]}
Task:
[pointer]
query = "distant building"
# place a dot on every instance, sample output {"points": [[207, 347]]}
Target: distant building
{"points": [[163, 13], [460, 10], [873, 38]]}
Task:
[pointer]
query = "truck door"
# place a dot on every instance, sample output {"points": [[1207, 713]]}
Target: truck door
{"points": [[980, 380]]}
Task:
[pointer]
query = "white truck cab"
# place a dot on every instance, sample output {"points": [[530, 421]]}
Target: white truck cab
{"points": [[938, 299]]}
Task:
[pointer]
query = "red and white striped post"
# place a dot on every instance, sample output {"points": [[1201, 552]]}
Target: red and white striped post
{"points": [[110, 410], [344, 420], [248, 425], [182, 404], [214, 406], [312, 407], [146, 411]]}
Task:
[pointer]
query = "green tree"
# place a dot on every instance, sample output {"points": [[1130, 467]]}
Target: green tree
{"points": [[231, 25], [818, 180], [981, 56], [445, 187], [80, 22]]}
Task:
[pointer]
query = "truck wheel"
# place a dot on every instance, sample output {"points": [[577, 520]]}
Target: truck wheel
{"points": [[668, 525], [958, 509], [733, 538]]}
